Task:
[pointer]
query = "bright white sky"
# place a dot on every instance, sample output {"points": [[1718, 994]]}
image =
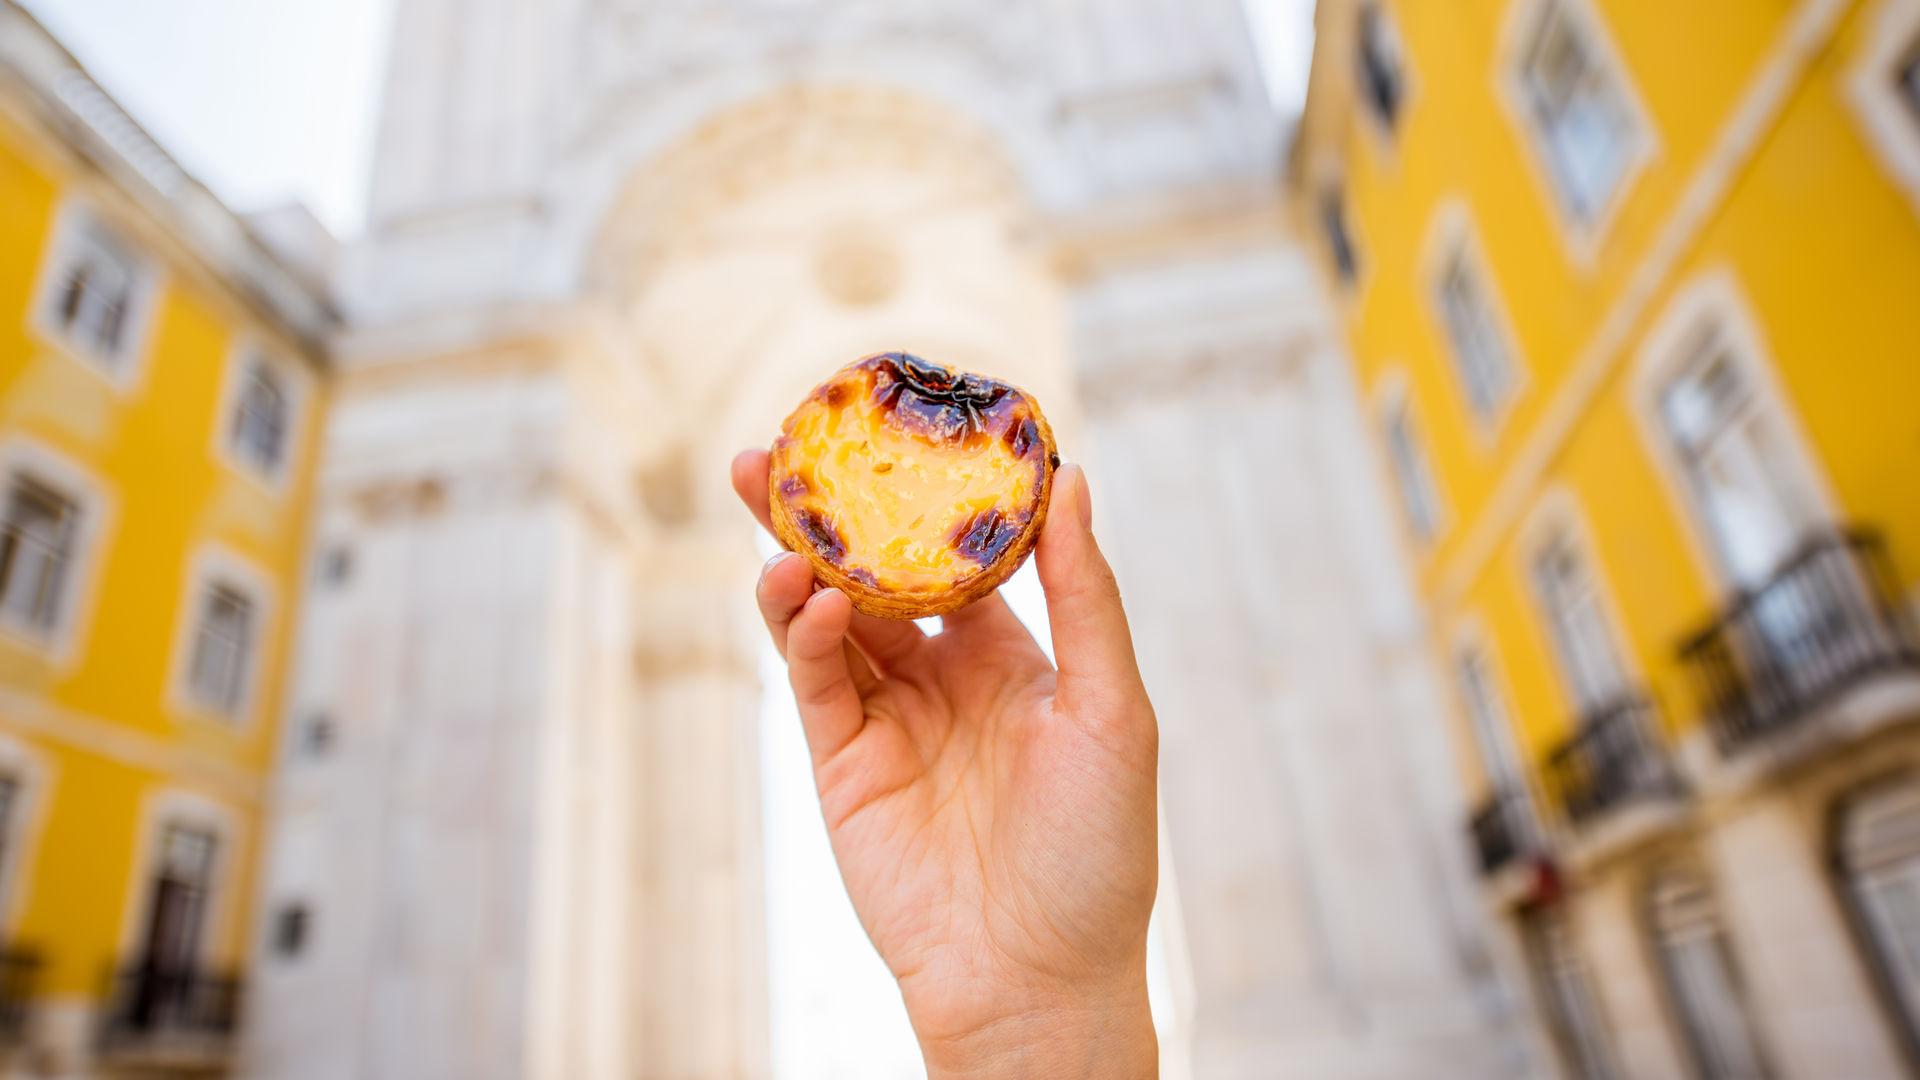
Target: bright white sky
{"points": [[271, 101]]}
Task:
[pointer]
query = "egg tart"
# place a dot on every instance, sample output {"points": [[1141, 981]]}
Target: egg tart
{"points": [[913, 489]]}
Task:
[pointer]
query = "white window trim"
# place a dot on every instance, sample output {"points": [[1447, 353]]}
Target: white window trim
{"points": [[1892, 126], [34, 776], [1392, 394], [1453, 234], [1350, 296], [1385, 140], [1557, 515], [126, 372], [1469, 634], [62, 646], [215, 563], [160, 809], [1582, 239], [1714, 298], [241, 354]]}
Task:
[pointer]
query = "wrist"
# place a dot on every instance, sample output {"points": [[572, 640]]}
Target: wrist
{"points": [[1105, 1032]]}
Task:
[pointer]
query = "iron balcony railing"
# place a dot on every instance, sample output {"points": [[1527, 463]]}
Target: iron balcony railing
{"points": [[19, 972], [1613, 757], [1503, 829], [1824, 622], [154, 1008]]}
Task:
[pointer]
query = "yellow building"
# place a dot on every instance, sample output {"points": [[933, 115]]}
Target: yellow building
{"points": [[1632, 290], [160, 397]]}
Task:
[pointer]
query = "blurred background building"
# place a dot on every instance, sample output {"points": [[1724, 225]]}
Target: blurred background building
{"points": [[1630, 293], [380, 693]]}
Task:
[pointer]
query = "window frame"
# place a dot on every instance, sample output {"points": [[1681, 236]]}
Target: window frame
{"points": [[1453, 242], [1893, 1002], [216, 566], [1713, 302], [20, 832], [247, 354], [1393, 399], [1582, 236], [1547, 958], [1387, 21], [1889, 120], [74, 221], [1470, 638], [1660, 938], [168, 808], [1557, 519], [1331, 207], [61, 642]]}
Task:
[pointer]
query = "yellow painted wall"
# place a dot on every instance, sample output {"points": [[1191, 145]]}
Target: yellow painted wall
{"points": [[1824, 245], [102, 727]]}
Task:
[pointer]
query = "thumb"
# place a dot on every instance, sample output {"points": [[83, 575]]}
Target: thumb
{"points": [[1091, 642]]}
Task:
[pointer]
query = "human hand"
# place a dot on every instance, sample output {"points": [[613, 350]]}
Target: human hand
{"points": [[994, 820]]}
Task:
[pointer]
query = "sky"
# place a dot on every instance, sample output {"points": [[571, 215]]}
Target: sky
{"points": [[273, 101]]}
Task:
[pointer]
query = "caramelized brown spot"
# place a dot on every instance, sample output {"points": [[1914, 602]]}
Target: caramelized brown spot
{"points": [[820, 532], [1022, 437], [838, 394], [864, 576], [883, 468], [792, 486], [1053, 460], [985, 536]]}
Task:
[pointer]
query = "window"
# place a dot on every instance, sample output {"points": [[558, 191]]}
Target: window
{"points": [[261, 418], [1488, 713], [1480, 355], [1418, 495], [1333, 222], [1701, 978], [317, 736], [95, 293], [36, 551], [10, 800], [1907, 81], [177, 909], [1579, 111], [1572, 1012], [336, 565], [1879, 862], [1382, 73], [1569, 596], [1884, 88], [292, 925], [222, 644], [1736, 461]]}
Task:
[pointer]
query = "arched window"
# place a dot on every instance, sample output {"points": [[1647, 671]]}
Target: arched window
{"points": [[1701, 979], [1879, 863]]}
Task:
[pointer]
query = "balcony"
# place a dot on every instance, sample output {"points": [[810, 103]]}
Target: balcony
{"points": [[1503, 830], [1825, 623], [1613, 759], [170, 1021]]}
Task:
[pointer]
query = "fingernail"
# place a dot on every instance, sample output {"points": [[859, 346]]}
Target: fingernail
{"points": [[771, 563], [815, 598], [1082, 498]]}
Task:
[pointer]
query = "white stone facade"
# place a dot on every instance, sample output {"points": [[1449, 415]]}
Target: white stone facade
{"points": [[613, 241]]}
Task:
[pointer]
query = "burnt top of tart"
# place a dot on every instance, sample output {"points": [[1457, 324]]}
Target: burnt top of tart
{"points": [[910, 477]]}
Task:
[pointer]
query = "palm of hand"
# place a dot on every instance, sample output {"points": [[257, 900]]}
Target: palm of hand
{"points": [[994, 820], [983, 862]]}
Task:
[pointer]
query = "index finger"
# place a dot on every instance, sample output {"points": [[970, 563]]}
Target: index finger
{"points": [[887, 642]]}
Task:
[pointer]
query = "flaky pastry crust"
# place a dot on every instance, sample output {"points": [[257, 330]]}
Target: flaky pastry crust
{"points": [[913, 489]]}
